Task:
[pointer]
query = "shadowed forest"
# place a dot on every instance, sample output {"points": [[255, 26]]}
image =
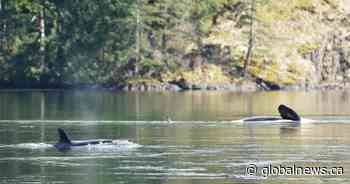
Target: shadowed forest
{"points": [[155, 45]]}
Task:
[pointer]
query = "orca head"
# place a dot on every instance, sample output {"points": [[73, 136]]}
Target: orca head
{"points": [[288, 113]]}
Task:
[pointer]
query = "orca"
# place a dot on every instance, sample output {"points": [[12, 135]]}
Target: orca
{"points": [[64, 143], [286, 114]]}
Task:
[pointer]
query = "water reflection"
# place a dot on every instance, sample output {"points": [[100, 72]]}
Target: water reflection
{"points": [[205, 147], [290, 130], [80, 105]]}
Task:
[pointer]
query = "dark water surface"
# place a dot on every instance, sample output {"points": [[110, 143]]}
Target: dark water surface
{"points": [[201, 145]]}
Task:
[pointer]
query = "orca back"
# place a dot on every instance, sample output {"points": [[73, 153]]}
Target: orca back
{"points": [[288, 113], [261, 118]]}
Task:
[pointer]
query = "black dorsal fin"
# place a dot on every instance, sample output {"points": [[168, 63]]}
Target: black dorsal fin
{"points": [[288, 113], [63, 136]]}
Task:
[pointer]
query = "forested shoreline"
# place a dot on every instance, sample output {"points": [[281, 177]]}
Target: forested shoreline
{"points": [[139, 45]]}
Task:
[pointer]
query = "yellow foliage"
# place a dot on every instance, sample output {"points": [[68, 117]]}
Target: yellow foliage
{"points": [[282, 10], [271, 72], [143, 80], [285, 31], [307, 47], [303, 4], [208, 73]]}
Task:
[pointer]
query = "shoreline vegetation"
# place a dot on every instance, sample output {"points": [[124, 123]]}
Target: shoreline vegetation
{"points": [[249, 86], [165, 45]]}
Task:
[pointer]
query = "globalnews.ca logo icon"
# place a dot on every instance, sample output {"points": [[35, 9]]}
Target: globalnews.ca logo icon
{"points": [[294, 170]]}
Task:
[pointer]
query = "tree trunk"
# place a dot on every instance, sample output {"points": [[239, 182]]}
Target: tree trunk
{"points": [[2, 28], [321, 55], [42, 38], [196, 23], [138, 37], [251, 42], [164, 38]]}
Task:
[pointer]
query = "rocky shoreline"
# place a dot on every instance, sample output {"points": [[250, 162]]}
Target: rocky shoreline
{"points": [[249, 86]]}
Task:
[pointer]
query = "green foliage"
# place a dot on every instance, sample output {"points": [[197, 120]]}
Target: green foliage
{"points": [[108, 42], [84, 41]]}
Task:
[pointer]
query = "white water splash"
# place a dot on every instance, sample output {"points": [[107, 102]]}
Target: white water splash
{"points": [[31, 146], [115, 145]]}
